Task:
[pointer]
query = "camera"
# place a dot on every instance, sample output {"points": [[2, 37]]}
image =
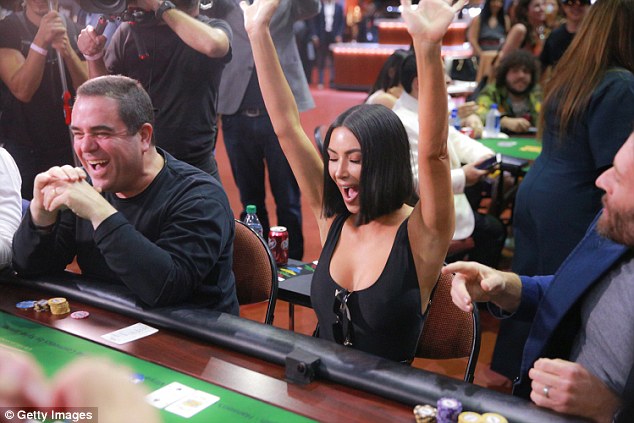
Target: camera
{"points": [[106, 7], [115, 11], [118, 8]]}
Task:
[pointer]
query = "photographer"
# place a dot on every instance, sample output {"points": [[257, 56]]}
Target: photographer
{"points": [[32, 120], [178, 56]]}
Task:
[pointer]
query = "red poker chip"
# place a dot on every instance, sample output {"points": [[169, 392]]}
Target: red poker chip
{"points": [[79, 314]]}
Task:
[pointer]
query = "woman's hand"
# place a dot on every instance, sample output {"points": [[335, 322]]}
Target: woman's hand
{"points": [[430, 20], [258, 14]]}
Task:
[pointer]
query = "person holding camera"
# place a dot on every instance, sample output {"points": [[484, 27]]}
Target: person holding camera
{"points": [[178, 56], [252, 146], [32, 113]]}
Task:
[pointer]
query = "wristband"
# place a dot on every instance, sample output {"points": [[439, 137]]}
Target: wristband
{"points": [[94, 56], [164, 6], [39, 49]]}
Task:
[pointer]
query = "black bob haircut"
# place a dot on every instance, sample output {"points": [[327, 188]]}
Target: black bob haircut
{"points": [[408, 72], [386, 172]]}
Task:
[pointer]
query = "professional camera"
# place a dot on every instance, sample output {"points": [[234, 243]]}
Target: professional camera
{"points": [[106, 7], [112, 8], [119, 10]]}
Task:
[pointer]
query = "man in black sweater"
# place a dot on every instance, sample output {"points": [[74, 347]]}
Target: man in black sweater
{"points": [[133, 215]]}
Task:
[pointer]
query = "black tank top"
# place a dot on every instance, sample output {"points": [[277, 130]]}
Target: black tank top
{"points": [[386, 317]]}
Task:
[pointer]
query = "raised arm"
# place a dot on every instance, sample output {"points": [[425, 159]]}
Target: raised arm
{"points": [[212, 42], [92, 46], [21, 75], [280, 104], [432, 232]]}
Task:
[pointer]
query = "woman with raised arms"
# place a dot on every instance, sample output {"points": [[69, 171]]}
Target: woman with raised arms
{"points": [[381, 258]]}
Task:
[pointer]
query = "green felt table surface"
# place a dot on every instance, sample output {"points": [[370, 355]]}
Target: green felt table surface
{"points": [[54, 349], [523, 148]]}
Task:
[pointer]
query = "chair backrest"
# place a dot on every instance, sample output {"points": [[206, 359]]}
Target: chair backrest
{"points": [[448, 331], [254, 270]]}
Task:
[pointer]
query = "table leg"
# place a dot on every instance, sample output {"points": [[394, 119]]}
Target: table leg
{"points": [[291, 316]]}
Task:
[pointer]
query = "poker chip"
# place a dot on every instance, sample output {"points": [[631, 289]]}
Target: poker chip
{"points": [[137, 378], [425, 414], [469, 417], [81, 314], [59, 306], [25, 305], [41, 305], [493, 418], [448, 410]]}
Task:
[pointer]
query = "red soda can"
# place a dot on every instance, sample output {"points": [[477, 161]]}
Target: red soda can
{"points": [[278, 244]]}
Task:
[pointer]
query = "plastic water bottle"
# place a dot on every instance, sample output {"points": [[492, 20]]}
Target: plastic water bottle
{"points": [[252, 221], [492, 125], [454, 120]]}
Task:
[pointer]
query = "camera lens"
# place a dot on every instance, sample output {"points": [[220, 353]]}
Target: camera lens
{"points": [[103, 6]]}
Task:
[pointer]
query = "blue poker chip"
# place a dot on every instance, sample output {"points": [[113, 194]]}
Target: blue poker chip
{"points": [[25, 305], [137, 378]]}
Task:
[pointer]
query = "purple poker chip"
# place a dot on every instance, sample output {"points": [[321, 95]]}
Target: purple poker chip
{"points": [[25, 305], [448, 410], [79, 314]]}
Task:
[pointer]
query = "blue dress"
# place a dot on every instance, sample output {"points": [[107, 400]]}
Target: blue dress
{"points": [[386, 317], [558, 199]]}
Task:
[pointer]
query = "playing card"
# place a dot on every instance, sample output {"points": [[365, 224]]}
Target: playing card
{"points": [[131, 333], [192, 404], [168, 394]]}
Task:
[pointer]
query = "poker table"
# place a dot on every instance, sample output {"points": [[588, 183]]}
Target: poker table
{"points": [[517, 155], [259, 372], [520, 147]]}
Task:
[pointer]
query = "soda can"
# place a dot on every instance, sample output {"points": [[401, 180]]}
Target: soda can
{"points": [[278, 244], [468, 131]]}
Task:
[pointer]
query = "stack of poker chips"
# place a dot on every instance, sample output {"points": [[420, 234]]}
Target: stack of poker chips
{"points": [[41, 305], [493, 418], [59, 306], [470, 417], [448, 410], [425, 414]]}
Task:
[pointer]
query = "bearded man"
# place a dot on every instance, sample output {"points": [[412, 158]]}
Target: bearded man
{"points": [[515, 91]]}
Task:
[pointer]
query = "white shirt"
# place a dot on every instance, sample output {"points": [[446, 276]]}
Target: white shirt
{"points": [[329, 15], [10, 204], [461, 148]]}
